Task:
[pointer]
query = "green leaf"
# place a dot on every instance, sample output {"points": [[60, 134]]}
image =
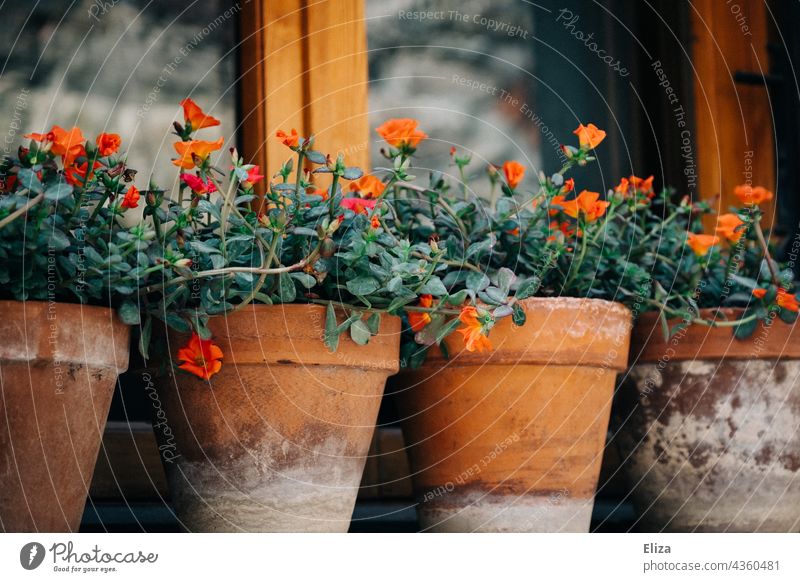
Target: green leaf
{"points": [[434, 287], [305, 279], [144, 337], [518, 315], [457, 298], [528, 288], [315, 157], [787, 316], [58, 191], [361, 286], [288, 292], [352, 173], [477, 281], [505, 278], [493, 296], [360, 333], [177, 323], [129, 313], [331, 338], [374, 323], [746, 329]]}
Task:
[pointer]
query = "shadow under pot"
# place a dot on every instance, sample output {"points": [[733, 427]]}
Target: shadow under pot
{"points": [[511, 440], [277, 440], [708, 427], [59, 364]]}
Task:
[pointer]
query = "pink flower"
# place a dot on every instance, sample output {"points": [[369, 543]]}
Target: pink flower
{"points": [[358, 205], [197, 185], [253, 176]]}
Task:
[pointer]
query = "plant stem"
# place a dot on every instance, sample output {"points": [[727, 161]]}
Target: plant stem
{"points": [[20, 211]]}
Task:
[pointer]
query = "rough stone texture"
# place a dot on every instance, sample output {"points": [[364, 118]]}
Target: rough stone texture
{"points": [[713, 444], [58, 368], [121, 66], [512, 440], [277, 441]]}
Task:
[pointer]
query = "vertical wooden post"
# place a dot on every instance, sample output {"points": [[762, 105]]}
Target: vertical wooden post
{"points": [[304, 66], [733, 121]]}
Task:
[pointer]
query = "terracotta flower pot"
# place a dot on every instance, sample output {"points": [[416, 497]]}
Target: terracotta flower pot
{"points": [[709, 428], [58, 367], [511, 440], [276, 441]]}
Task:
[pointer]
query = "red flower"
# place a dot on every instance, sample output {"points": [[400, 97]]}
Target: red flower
{"points": [[131, 198], [107, 143], [194, 117], [569, 186], [197, 185], [200, 357]]}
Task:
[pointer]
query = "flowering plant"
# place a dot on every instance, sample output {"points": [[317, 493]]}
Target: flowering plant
{"points": [[731, 268], [308, 239], [514, 243], [61, 238]]}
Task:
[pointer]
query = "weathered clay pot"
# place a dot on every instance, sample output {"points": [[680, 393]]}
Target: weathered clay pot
{"points": [[709, 428], [58, 368], [511, 440], [276, 441]]}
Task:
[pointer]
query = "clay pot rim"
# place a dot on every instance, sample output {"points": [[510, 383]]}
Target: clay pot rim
{"points": [[545, 307], [382, 353], [715, 343], [91, 309]]}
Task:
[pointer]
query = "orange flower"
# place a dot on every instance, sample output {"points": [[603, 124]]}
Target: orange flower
{"points": [[375, 221], [589, 136], [642, 185], [587, 202], [290, 140], [200, 357], [131, 198], [368, 186], [67, 144], [419, 319], [194, 117], [75, 174], [759, 293], [472, 330], [513, 231], [749, 195], [728, 226], [401, 132], [622, 187], [569, 186], [787, 300], [196, 148], [514, 172], [701, 243], [107, 143]]}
